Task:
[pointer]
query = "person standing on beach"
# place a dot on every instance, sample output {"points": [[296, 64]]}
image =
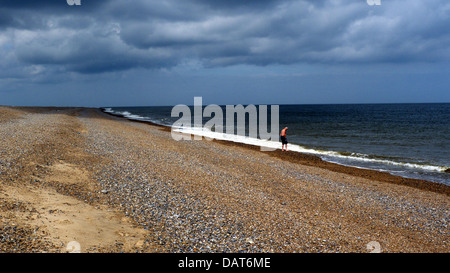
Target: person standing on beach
{"points": [[284, 141]]}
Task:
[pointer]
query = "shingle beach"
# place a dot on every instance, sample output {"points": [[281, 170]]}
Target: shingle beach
{"points": [[113, 185]]}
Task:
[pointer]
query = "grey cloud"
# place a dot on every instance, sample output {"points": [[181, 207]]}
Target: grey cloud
{"points": [[233, 4], [77, 52], [120, 35], [146, 11], [24, 4], [50, 4], [31, 14]]}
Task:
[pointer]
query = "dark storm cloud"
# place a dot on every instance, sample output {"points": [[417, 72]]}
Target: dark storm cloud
{"points": [[32, 14], [77, 51], [232, 4], [102, 36], [253, 4], [24, 4], [49, 4]]}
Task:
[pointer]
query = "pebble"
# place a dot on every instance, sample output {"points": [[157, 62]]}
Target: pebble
{"points": [[201, 196]]}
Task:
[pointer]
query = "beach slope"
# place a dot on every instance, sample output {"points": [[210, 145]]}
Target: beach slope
{"points": [[113, 185]]}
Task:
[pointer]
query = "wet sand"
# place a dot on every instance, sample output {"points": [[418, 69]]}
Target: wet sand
{"points": [[113, 185]]}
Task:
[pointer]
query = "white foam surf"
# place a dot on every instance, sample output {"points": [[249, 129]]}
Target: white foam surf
{"points": [[330, 156]]}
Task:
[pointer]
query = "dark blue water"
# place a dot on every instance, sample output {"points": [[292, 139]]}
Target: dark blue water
{"points": [[410, 140]]}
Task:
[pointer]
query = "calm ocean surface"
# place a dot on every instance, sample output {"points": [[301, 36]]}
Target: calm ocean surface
{"points": [[410, 140]]}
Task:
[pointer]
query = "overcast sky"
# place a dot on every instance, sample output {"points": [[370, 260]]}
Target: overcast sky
{"points": [[155, 52]]}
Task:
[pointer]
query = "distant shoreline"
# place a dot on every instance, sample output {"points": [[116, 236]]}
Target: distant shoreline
{"points": [[313, 160]]}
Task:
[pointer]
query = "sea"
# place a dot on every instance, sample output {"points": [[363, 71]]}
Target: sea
{"points": [[408, 140]]}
